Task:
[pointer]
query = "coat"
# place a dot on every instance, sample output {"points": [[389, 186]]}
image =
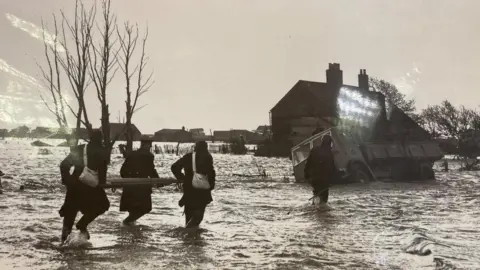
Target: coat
{"points": [[81, 197], [320, 168], [192, 196], [138, 164]]}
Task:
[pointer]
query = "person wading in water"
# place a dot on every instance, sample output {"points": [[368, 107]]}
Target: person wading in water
{"points": [[320, 168], [198, 182], [137, 200], [90, 201]]}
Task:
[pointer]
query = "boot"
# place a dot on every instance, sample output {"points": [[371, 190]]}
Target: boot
{"points": [[132, 218], [65, 233], [127, 222], [84, 231]]}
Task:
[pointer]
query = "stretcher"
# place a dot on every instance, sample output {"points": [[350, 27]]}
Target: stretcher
{"points": [[122, 182]]}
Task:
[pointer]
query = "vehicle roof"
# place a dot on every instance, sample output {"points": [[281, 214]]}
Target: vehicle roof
{"points": [[332, 130]]}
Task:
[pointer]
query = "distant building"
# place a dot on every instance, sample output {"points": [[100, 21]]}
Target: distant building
{"points": [[227, 135], [118, 130], [264, 130], [198, 134], [312, 106], [173, 135], [197, 131]]}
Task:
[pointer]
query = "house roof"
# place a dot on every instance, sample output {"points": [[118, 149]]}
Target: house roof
{"points": [[119, 128], [319, 90], [323, 92], [168, 130], [232, 133], [263, 127], [221, 132]]}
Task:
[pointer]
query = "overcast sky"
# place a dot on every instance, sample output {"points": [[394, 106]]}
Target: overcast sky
{"points": [[224, 64]]}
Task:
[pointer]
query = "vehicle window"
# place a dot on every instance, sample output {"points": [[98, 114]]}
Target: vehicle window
{"points": [[318, 141], [301, 154]]}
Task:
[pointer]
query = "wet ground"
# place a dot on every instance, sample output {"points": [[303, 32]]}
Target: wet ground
{"points": [[253, 223]]}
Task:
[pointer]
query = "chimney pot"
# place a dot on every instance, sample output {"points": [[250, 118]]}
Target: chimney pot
{"points": [[335, 75], [363, 80]]}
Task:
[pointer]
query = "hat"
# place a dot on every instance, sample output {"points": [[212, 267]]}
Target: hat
{"points": [[96, 136]]}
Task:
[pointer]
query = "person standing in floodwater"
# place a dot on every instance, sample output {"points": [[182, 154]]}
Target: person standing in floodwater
{"points": [[320, 168], [90, 201], [137, 200], [195, 200]]}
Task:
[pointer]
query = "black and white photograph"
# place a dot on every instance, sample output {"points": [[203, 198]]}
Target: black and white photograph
{"points": [[239, 134]]}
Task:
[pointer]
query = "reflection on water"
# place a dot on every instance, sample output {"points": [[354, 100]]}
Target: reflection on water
{"points": [[252, 223]]}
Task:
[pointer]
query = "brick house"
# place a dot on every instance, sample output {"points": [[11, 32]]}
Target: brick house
{"points": [[314, 106]]}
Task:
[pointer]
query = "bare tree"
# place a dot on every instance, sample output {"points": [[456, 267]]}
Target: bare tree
{"points": [[449, 121], [72, 60], [52, 79], [135, 89], [428, 120], [76, 63], [396, 97], [103, 66], [453, 123]]}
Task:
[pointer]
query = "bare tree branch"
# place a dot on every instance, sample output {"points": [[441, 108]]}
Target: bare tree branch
{"points": [[128, 44], [138, 109], [103, 65], [50, 78], [73, 63]]}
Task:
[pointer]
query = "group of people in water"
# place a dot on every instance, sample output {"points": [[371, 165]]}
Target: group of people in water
{"points": [[136, 200]]}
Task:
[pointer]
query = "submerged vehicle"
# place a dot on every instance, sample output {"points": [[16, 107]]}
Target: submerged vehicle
{"points": [[371, 161]]}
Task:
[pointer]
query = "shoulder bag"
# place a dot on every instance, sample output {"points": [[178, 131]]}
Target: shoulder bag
{"points": [[199, 181], [88, 177]]}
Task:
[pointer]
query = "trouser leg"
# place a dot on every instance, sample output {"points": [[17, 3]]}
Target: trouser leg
{"points": [[133, 216], [322, 192], [86, 219], [68, 221], [324, 195], [188, 215], [195, 216]]}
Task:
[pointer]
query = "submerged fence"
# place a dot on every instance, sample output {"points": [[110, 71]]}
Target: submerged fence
{"points": [[184, 148]]}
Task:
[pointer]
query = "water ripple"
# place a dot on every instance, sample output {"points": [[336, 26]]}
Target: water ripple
{"points": [[254, 222]]}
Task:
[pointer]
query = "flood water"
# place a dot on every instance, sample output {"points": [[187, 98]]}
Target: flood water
{"points": [[253, 223]]}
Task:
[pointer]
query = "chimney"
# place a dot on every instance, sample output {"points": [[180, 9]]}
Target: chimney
{"points": [[383, 106], [334, 75], [363, 80]]}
